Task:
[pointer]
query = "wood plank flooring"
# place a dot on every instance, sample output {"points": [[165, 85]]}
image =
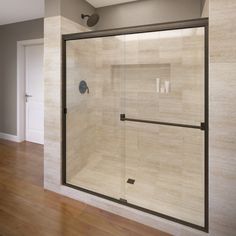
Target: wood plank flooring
{"points": [[27, 209]]}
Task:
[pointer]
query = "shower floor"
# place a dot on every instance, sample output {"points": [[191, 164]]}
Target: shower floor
{"points": [[157, 187]]}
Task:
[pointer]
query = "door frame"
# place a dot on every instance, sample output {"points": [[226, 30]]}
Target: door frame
{"points": [[21, 84], [195, 23]]}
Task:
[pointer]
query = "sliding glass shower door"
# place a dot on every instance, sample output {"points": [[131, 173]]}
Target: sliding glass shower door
{"points": [[164, 112], [135, 119], [95, 138]]}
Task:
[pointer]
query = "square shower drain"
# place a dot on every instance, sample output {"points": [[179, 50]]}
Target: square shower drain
{"points": [[130, 181]]}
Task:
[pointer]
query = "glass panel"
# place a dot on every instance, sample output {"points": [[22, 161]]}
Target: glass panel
{"points": [[95, 136], [164, 81], [165, 76], [167, 164]]}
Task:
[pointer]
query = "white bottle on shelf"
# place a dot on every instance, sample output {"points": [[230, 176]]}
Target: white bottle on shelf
{"points": [[167, 86], [158, 85], [162, 89]]}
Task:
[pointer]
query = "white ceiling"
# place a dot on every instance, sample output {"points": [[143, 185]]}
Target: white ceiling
{"points": [[12, 11], [103, 3]]}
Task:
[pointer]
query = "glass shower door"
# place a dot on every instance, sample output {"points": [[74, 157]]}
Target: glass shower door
{"points": [[134, 121], [164, 112], [95, 155]]}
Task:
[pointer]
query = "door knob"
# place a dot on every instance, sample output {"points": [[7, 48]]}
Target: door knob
{"points": [[27, 96]]}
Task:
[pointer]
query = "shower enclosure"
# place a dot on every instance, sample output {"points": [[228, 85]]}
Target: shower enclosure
{"points": [[135, 118]]}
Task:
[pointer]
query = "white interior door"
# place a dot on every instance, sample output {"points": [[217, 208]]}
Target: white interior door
{"points": [[34, 96]]}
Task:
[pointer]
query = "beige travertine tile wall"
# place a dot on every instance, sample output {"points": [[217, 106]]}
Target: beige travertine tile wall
{"points": [[52, 104], [54, 27], [81, 115], [84, 110], [223, 117]]}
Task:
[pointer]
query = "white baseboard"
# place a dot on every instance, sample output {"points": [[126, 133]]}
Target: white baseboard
{"points": [[10, 137]]}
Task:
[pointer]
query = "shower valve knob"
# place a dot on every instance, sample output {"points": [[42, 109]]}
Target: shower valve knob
{"points": [[83, 87]]}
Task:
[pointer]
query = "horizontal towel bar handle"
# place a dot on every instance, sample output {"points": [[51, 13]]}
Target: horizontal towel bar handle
{"points": [[201, 126]]}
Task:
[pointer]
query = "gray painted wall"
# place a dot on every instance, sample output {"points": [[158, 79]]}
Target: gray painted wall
{"points": [[1, 81], [10, 34], [71, 9], [148, 12], [203, 2], [130, 14], [52, 8]]}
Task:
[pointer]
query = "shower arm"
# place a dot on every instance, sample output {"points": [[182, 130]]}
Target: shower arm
{"points": [[84, 16]]}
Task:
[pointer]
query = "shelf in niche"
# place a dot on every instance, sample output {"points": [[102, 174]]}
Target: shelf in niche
{"points": [[140, 77]]}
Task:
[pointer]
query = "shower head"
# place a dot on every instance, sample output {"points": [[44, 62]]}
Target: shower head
{"points": [[92, 19]]}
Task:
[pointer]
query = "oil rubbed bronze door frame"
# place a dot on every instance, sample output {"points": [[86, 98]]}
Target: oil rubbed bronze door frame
{"points": [[204, 126]]}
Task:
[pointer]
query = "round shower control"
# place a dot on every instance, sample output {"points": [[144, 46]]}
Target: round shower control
{"points": [[83, 87]]}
